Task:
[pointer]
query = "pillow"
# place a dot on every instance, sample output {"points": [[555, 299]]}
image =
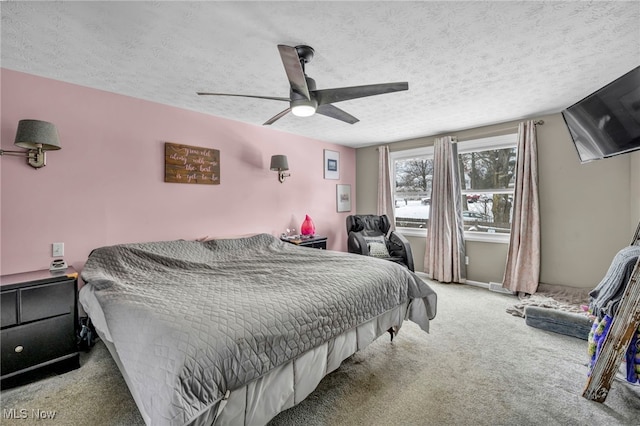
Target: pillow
{"points": [[378, 249], [377, 245]]}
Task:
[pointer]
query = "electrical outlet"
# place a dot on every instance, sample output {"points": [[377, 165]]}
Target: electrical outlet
{"points": [[466, 260], [58, 249]]}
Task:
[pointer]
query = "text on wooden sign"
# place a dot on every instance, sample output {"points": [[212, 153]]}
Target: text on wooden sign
{"points": [[191, 164]]}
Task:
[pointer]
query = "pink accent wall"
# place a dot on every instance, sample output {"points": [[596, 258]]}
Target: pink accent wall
{"points": [[106, 185]]}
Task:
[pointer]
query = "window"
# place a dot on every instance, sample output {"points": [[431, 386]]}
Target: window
{"points": [[487, 177], [413, 171], [487, 170]]}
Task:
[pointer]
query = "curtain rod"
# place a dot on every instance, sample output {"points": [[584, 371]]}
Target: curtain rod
{"points": [[491, 132], [475, 136]]}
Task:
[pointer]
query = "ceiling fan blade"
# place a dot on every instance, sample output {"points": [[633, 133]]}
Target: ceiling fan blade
{"points": [[273, 98], [329, 96], [335, 112], [277, 117], [294, 70]]}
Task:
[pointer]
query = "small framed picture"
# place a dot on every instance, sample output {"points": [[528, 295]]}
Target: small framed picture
{"points": [[343, 198], [331, 164]]}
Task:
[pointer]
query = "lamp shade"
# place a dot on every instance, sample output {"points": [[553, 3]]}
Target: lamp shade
{"points": [[33, 134], [279, 162]]}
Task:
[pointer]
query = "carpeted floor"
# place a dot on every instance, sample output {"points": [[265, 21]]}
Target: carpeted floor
{"points": [[478, 366]]}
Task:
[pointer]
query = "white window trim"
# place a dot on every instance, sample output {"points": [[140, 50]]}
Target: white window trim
{"points": [[411, 153], [484, 237], [487, 237], [493, 142], [412, 232]]}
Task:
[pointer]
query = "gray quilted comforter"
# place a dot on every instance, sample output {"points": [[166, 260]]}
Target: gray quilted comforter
{"points": [[191, 320]]}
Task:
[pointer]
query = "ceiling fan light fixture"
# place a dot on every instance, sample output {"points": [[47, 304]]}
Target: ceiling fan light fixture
{"points": [[303, 107], [303, 110]]}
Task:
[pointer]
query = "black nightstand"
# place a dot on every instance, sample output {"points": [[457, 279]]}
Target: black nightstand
{"points": [[38, 323], [313, 242]]}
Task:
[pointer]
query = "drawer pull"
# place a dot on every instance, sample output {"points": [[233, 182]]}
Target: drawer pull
{"points": [[19, 349]]}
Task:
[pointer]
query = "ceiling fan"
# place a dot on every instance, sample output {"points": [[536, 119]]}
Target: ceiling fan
{"points": [[304, 100]]}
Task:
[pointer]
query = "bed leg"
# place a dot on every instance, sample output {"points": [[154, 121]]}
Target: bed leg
{"points": [[392, 332], [87, 334]]}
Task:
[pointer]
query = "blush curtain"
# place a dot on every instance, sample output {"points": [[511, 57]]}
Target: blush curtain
{"points": [[445, 251], [385, 190], [522, 272]]}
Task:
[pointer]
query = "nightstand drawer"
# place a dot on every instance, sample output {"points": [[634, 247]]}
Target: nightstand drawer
{"points": [[8, 310], [32, 344], [39, 324], [45, 301], [316, 242]]}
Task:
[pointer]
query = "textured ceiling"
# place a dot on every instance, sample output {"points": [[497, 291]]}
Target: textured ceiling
{"points": [[468, 64]]}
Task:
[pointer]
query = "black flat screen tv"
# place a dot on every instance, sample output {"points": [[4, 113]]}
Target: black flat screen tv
{"points": [[607, 122]]}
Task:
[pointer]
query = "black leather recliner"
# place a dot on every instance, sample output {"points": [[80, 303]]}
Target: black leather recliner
{"points": [[367, 233]]}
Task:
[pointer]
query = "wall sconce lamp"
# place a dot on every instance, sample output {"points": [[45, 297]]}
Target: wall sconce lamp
{"points": [[37, 137], [280, 164]]}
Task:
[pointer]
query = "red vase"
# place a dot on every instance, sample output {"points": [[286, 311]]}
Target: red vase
{"points": [[307, 227]]}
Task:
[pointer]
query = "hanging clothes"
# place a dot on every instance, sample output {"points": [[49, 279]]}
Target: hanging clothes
{"points": [[599, 331]]}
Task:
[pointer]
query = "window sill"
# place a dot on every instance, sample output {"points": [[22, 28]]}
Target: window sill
{"points": [[412, 232], [487, 237], [484, 237]]}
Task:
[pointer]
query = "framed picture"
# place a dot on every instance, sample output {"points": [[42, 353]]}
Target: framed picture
{"points": [[331, 164], [343, 198]]}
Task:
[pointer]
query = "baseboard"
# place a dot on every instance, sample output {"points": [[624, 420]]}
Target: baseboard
{"points": [[497, 287], [477, 284], [426, 276]]}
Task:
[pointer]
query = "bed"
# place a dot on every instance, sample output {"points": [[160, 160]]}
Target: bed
{"points": [[234, 331]]}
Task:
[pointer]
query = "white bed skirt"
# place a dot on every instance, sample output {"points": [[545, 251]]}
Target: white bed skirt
{"points": [[283, 387]]}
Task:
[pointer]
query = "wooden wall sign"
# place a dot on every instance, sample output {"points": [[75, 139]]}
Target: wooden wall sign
{"points": [[191, 164]]}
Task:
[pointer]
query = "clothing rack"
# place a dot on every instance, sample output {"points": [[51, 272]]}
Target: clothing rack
{"points": [[623, 326]]}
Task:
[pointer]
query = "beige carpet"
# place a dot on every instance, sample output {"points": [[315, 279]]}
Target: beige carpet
{"points": [[478, 366]]}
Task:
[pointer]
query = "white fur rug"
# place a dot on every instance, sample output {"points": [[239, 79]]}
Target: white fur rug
{"points": [[568, 299]]}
